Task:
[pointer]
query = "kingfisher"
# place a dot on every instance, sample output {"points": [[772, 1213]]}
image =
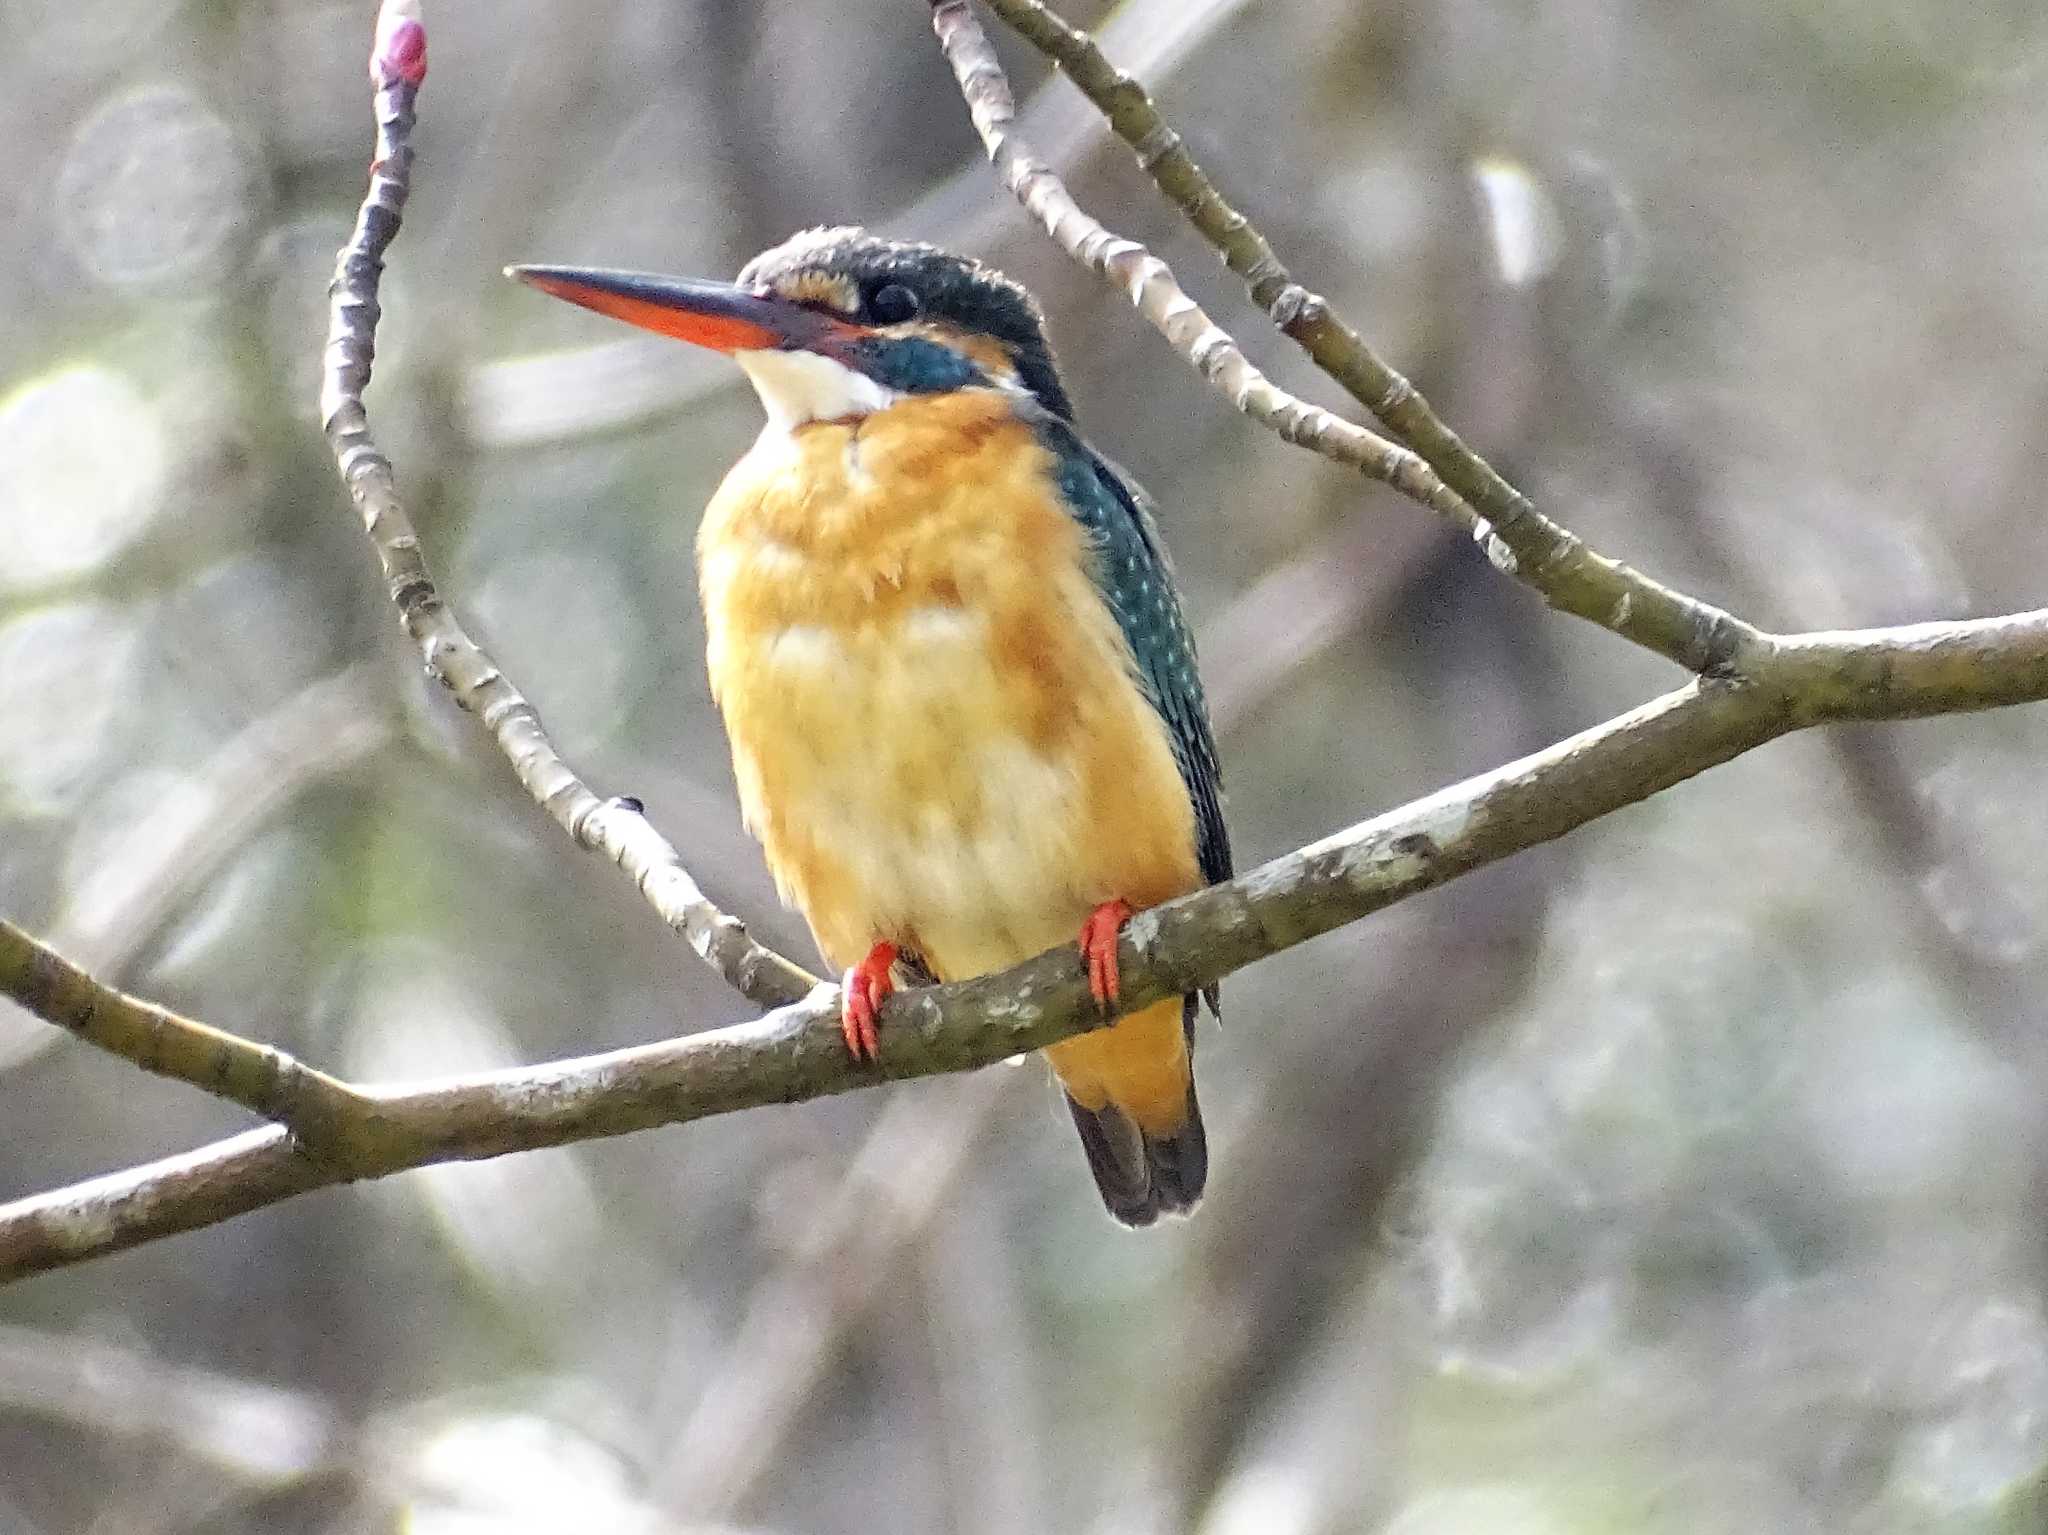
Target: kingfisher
{"points": [[943, 633]]}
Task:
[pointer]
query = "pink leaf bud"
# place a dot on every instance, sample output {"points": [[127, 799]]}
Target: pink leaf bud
{"points": [[400, 51]]}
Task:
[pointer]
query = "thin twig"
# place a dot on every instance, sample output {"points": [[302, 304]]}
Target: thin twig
{"points": [[797, 1052], [1302, 316], [614, 828], [1437, 470], [1150, 285]]}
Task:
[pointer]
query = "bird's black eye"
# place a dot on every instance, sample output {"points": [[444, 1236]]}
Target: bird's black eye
{"points": [[892, 304]]}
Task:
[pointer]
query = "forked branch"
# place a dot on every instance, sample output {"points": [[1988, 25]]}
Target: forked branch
{"points": [[1434, 467], [796, 1052], [1754, 687], [615, 828]]}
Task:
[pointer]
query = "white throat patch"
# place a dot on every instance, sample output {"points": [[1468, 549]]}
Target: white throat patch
{"points": [[796, 387]]}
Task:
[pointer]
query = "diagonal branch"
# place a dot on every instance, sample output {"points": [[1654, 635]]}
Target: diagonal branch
{"points": [[796, 1052], [614, 828], [1150, 285], [264, 1080], [1304, 317], [1441, 472], [868, 1225], [329, 1132]]}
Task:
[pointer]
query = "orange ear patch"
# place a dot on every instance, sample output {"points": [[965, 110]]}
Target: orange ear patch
{"points": [[984, 352], [821, 288]]}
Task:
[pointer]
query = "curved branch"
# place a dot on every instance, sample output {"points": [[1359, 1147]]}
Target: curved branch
{"points": [[1440, 472], [614, 828], [796, 1052]]}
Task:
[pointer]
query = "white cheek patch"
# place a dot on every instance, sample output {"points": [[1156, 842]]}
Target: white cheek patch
{"points": [[796, 387]]}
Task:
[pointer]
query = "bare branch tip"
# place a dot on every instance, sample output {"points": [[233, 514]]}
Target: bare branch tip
{"points": [[400, 50]]}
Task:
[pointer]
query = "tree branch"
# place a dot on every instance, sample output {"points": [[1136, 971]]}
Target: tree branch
{"points": [[1756, 687], [266, 1081], [614, 828], [796, 1052], [1152, 289], [1440, 472]]}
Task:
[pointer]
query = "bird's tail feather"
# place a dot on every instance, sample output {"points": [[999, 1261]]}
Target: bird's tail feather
{"points": [[1143, 1176]]}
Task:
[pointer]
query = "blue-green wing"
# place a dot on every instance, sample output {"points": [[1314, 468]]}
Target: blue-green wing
{"points": [[1136, 580]]}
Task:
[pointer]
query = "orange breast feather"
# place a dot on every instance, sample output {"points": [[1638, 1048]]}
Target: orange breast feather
{"points": [[933, 723]]}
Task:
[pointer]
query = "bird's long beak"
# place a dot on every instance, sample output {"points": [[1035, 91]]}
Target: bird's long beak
{"points": [[711, 314]]}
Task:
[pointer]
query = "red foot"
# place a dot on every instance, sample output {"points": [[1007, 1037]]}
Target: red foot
{"points": [[861, 993], [1098, 950]]}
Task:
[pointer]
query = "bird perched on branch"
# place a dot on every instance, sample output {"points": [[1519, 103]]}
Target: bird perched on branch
{"points": [[945, 639]]}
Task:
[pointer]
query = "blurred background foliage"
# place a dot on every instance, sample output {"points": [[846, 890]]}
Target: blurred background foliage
{"points": [[1687, 1177]]}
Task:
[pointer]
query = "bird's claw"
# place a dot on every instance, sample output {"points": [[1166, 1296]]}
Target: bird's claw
{"points": [[861, 995], [1098, 951]]}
